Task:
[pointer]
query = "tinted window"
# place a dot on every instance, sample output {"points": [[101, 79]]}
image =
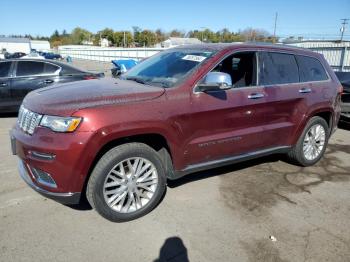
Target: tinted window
{"points": [[27, 68], [311, 69], [50, 68], [276, 68], [5, 69]]}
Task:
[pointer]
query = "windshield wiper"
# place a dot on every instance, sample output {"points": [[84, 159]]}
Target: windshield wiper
{"points": [[162, 83], [136, 79]]}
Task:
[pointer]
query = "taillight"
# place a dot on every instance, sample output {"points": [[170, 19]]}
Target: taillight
{"points": [[90, 77]]}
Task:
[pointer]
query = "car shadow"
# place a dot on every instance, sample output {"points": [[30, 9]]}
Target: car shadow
{"points": [[8, 115], [223, 170], [344, 125], [173, 250], [82, 206]]}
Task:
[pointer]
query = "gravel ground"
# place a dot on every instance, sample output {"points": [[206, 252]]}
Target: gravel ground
{"points": [[93, 66]]}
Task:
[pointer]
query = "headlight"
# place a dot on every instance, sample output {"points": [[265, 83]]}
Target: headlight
{"points": [[60, 124]]}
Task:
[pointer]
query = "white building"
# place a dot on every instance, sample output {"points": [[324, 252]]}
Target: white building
{"points": [[176, 41], [40, 45], [13, 45], [319, 43], [23, 45], [87, 42], [336, 53], [104, 42]]}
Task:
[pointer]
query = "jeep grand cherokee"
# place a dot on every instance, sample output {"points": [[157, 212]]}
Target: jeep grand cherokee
{"points": [[181, 111]]}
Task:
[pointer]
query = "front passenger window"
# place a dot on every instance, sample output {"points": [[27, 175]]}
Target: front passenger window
{"points": [[241, 67]]}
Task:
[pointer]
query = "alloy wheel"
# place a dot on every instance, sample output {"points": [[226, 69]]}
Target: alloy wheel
{"points": [[314, 142], [130, 185]]}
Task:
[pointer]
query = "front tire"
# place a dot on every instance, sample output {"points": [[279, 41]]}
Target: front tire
{"points": [[311, 144], [127, 182]]}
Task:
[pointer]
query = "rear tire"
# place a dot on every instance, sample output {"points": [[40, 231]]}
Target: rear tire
{"points": [[311, 144], [127, 182]]}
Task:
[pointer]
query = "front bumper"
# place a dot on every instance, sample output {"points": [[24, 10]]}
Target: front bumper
{"points": [[53, 164], [64, 198]]}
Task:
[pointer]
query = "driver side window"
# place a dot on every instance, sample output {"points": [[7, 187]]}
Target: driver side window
{"points": [[241, 67]]}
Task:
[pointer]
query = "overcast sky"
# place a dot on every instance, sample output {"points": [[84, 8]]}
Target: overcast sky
{"points": [[309, 18]]}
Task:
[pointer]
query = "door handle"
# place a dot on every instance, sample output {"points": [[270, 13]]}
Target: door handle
{"points": [[256, 96], [305, 90], [3, 84], [48, 81]]}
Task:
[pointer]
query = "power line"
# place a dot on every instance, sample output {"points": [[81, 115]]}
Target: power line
{"points": [[342, 29]]}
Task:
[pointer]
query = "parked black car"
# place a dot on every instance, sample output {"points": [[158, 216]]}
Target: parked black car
{"points": [[20, 76], [14, 55], [344, 78]]}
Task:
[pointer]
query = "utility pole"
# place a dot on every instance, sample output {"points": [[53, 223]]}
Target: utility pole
{"points": [[274, 28], [342, 29], [203, 28], [124, 43]]}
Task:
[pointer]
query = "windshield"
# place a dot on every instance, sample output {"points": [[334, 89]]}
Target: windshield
{"points": [[167, 68]]}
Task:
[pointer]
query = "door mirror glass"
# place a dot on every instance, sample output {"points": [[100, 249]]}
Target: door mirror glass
{"points": [[215, 81]]}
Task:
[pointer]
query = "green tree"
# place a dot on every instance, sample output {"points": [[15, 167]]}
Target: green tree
{"points": [[254, 34], [107, 33], [147, 38], [177, 33], [137, 32], [121, 36], [79, 35], [160, 36]]}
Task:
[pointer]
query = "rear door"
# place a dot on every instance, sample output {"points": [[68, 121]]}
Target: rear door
{"points": [[31, 75], [5, 86], [286, 103]]}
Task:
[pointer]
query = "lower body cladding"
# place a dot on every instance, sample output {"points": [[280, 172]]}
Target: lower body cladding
{"points": [[52, 163]]}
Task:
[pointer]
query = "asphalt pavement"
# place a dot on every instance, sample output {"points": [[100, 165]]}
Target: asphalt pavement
{"points": [[261, 210]]}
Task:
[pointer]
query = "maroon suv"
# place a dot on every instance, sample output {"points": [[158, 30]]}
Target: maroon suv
{"points": [[183, 110]]}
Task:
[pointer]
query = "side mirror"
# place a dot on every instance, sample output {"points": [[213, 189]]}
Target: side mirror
{"points": [[215, 81], [116, 72]]}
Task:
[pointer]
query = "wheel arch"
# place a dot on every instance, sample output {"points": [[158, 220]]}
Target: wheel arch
{"points": [[326, 113], [156, 141]]}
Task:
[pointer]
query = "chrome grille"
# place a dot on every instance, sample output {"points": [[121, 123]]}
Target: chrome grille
{"points": [[28, 120]]}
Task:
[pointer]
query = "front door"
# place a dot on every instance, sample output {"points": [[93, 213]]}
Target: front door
{"points": [[231, 122]]}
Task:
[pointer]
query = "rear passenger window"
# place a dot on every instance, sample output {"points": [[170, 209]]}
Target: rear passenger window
{"points": [[277, 68], [311, 69], [5, 69], [27, 68], [50, 69]]}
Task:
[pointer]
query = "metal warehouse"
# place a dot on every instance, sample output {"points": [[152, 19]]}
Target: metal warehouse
{"points": [[13, 45], [24, 45]]}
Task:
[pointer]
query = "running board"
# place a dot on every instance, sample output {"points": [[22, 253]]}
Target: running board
{"points": [[228, 161]]}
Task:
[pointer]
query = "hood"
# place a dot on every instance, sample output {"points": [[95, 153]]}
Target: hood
{"points": [[65, 99]]}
